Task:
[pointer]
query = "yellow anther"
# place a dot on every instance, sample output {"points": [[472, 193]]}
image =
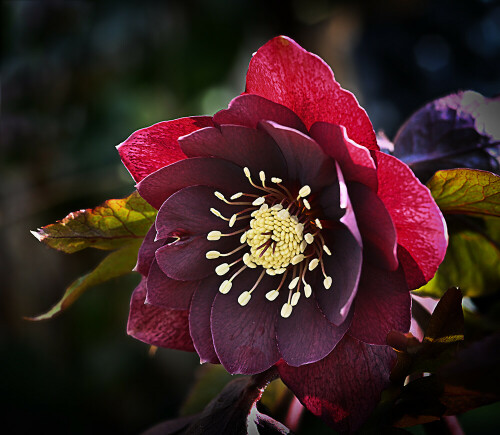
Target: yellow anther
{"points": [[211, 255], [304, 191], [272, 295], [286, 310], [293, 283], [306, 203], [214, 235], [327, 282], [244, 298], [307, 290], [295, 299], [318, 223], [297, 259], [283, 214], [237, 195], [222, 269], [218, 214], [299, 228], [327, 250], [225, 286], [313, 264], [247, 172], [270, 272], [276, 180], [262, 176], [309, 238], [243, 237], [259, 201], [232, 220], [277, 207]]}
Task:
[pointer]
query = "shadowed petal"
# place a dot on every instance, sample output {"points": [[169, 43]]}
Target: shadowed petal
{"points": [[375, 225], [187, 211], [248, 110], [419, 223], [146, 253], [343, 388], [199, 318], [157, 326], [185, 259], [383, 303], [283, 72], [152, 148], [245, 337], [355, 160], [218, 173], [241, 145], [168, 293], [306, 161], [307, 336], [344, 266]]}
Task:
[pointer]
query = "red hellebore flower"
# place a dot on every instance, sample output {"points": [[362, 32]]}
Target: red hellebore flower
{"points": [[284, 236]]}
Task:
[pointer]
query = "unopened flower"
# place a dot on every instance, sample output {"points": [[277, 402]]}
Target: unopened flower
{"points": [[284, 236]]}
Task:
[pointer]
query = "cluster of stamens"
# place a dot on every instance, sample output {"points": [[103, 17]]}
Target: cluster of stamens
{"points": [[284, 237]]}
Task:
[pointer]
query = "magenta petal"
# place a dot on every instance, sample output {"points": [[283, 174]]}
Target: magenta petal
{"points": [[355, 160], [241, 145], [185, 259], [283, 72], [419, 223], [343, 388], [245, 337], [157, 326], [376, 226], [344, 266], [248, 110], [306, 161], [168, 293], [146, 253], [218, 173], [187, 211], [307, 336], [383, 303], [199, 318], [152, 148]]}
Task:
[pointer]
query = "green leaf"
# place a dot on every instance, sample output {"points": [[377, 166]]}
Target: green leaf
{"points": [[472, 262], [111, 225], [466, 191], [115, 264]]}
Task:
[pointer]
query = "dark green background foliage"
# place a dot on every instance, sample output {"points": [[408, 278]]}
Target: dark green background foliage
{"points": [[79, 76]]}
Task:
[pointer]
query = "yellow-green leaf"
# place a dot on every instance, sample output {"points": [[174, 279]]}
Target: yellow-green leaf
{"points": [[111, 225], [117, 263], [466, 191]]}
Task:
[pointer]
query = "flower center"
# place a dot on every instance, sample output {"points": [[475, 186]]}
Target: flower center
{"points": [[283, 237]]}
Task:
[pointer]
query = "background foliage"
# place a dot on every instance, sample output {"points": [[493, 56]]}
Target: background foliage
{"points": [[79, 76]]}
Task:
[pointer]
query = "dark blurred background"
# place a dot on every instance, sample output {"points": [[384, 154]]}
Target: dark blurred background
{"points": [[79, 76]]}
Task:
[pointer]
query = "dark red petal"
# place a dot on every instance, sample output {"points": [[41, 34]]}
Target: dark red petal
{"points": [[185, 259], [245, 337], [419, 223], [283, 72], [355, 160], [344, 266], [241, 145], [306, 161], [376, 226], [157, 326], [307, 336], [199, 318], [218, 173], [383, 303], [152, 148], [146, 253], [248, 110], [168, 293], [343, 388], [187, 211]]}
